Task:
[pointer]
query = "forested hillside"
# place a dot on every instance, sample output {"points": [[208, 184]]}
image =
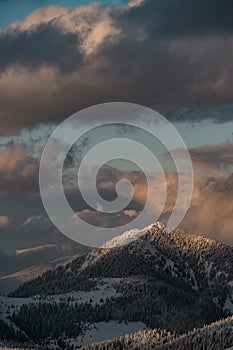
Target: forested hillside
{"points": [[217, 336]]}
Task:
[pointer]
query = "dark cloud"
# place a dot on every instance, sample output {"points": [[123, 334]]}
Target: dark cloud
{"points": [[182, 17], [44, 44], [61, 60]]}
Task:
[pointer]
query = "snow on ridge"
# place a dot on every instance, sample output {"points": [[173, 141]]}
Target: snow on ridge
{"points": [[91, 258], [131, 235]]}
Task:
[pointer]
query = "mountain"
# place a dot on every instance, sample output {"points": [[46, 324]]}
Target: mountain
{"points": [[158, 280], [25, 264], [31, 248]]}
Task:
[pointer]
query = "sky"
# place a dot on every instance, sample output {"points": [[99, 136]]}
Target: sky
{"points": [[58, 57]]}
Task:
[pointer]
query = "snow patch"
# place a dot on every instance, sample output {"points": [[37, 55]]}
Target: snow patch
{"points": [[228, 305], [101, 331], [131, 235], [90, 259]]}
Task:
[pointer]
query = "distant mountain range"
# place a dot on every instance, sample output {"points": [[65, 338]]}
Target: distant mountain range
{"points": [[32, 248], [25, 264], [157, 280]]}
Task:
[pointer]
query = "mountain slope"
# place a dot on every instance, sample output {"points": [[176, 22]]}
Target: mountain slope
{"points": [[216, 336], [167, 280]]}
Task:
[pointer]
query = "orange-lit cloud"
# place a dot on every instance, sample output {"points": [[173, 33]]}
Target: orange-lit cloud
{"points": [[4, 221], [18, 170]]}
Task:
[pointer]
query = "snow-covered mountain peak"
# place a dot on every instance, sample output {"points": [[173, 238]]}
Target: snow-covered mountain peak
{"points": [[132, 235]]}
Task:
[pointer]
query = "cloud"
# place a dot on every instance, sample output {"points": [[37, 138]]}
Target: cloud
{"points": [[211, 204], [211, 161], [60, 60], [209, 213], [33, 219], [212, 170], [214, 156], [219, 112], [183, 17], [57, 36], [212, 217], [106, 220], [44, 44], [18, 170], [4, 221], [11, 159], [131, 213], [211, 207]]}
